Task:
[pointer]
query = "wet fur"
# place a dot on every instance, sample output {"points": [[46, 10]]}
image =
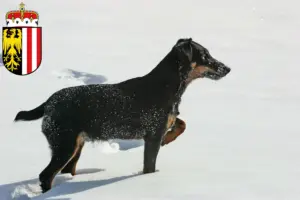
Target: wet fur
{"points": [[139, 108]]}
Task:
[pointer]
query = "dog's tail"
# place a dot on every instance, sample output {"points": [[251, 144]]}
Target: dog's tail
{"points": [[31, 115]]}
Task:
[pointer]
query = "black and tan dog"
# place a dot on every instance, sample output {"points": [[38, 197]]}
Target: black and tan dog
{"points": [[140, 108]]}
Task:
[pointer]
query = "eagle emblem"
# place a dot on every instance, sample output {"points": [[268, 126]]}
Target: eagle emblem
{"points": [[12, 47]]}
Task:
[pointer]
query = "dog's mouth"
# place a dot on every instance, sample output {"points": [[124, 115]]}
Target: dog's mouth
{"points": [[216, 74]]}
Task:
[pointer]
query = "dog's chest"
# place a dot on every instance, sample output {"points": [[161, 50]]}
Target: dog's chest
{"points": [[171, 121], [172, 117]]}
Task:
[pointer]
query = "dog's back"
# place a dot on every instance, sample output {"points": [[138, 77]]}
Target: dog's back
{"points": [[96, 110], [105, 111]]}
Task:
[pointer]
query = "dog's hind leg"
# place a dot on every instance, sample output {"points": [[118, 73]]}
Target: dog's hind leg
{"points": [[64, 150], [71, 166]]}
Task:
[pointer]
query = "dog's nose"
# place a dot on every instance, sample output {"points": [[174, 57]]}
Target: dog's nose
{"points": [[227, 70]]}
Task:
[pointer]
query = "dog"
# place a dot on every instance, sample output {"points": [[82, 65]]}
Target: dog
{"points": [[143, 107]]}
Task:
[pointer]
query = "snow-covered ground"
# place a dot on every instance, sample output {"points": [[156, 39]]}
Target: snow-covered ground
{"points": [[242, 140]]}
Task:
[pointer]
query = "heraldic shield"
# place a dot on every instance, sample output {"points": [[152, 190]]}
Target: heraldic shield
{"points": [[22, 49]]}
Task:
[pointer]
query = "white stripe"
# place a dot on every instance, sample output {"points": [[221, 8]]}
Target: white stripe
{"points": [[24, 50], [34, 49]]}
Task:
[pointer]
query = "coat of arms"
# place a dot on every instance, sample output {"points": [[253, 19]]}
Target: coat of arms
{"points": [[22, 41]]}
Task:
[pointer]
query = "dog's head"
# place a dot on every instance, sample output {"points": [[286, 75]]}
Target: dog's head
{"points": [[196, 62]]}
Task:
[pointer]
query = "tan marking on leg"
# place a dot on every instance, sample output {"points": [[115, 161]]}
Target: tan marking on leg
{"points": [[79, 141], [73, 171], [175, 132]]}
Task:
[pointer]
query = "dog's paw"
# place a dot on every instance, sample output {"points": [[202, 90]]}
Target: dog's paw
{"points": [[149, 171]]}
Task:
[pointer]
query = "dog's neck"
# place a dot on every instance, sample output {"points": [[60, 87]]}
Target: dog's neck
{"points": [[166, 74]]}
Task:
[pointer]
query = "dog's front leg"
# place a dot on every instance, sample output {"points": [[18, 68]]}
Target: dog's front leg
{"points": [[151, 149], [177, 130]]}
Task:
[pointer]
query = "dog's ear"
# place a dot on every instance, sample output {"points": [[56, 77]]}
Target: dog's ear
{"points": [[184, 51], [180, 41], [189, 40]]}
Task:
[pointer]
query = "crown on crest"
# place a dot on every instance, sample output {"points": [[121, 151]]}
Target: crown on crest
{"points": [[21, 17]]}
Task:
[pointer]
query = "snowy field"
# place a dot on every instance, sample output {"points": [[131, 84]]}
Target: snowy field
{"points": [[242, 140]]}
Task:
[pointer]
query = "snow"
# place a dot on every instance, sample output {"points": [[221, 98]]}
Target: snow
{"points": [[242, 140]]}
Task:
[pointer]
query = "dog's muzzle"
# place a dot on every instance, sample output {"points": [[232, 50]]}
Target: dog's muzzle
{"points": [[217, 72]]}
